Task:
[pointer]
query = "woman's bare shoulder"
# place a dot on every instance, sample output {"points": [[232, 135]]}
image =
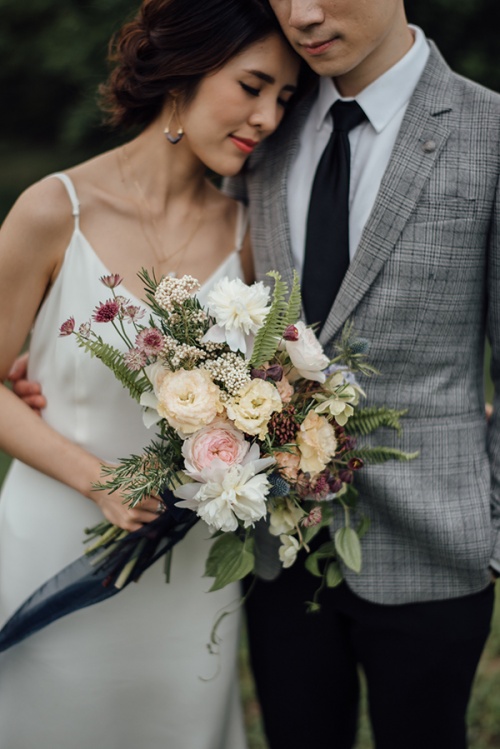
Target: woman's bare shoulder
{"points": [[43, 209]]}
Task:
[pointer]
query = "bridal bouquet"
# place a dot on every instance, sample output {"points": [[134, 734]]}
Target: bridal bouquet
{"points": [[254, 425], [254, 433]]}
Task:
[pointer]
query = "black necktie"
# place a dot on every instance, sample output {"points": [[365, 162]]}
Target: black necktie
{"points": [[327, 238]]}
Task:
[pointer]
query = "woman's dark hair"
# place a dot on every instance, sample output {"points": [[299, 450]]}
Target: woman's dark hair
{"points": [[170, 46]]}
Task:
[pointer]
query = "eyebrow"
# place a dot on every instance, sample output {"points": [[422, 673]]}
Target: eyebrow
{"points": [[269, 79]]}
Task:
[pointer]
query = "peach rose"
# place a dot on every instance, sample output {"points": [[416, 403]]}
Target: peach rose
{"points": [[220, 439], [288, 463]]}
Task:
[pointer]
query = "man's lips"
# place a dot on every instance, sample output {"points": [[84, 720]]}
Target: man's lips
{"points": [[244, 144], [317, 48]]}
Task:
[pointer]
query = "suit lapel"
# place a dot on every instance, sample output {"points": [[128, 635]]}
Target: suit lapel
{"points": [[419, 143]]}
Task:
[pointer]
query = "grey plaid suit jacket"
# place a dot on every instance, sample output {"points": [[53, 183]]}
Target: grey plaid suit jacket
{"points": [[424, 288]]}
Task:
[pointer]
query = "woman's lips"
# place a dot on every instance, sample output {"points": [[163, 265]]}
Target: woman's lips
{"points": [[244, 144]]}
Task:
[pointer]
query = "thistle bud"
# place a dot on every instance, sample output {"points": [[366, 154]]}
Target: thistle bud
{"points": [[346, 476], [355, 464], [291, 333], [258, 374], [275, 372]]}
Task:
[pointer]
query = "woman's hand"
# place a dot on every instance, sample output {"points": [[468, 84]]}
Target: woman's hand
{"points": [[115, 509], [30, 392]]}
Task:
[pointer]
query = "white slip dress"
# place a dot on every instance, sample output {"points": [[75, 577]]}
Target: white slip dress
{"points": [[135, 670]]}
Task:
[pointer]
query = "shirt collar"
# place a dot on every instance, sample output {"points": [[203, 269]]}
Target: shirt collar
{"points": [[383, 98]]}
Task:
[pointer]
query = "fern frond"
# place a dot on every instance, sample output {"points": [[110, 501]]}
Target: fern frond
{"points": [[374, 455], [294, 302], [367, 420], [135, 382], [269, 335]]}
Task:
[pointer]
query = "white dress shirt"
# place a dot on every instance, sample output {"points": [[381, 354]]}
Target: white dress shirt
{"points": [[384, 102]]}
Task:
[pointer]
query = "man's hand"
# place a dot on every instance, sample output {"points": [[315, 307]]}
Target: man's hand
{"points": [[30, 392]]}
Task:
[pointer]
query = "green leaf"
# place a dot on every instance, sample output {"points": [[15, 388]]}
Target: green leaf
{"points": [[348, 548], [325, 551], [230, 559], [334, 575]]}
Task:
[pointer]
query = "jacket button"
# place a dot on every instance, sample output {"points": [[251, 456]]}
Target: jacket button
{"points": [[429, 146]]}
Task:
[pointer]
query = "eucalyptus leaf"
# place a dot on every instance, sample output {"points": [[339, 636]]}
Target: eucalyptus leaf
{"points": [[349, 548], [334, 575]]}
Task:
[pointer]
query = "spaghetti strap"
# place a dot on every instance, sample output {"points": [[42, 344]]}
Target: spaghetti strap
{"points": [[241, 226], [70, 188]]}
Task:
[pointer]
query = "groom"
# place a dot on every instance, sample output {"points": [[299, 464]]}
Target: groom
{"points": [[421, 281]]}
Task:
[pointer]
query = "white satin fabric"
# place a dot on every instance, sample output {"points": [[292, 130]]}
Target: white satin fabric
{"points": [[134, 670]]}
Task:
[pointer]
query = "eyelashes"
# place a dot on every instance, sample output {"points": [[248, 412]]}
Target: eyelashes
{"points": [[256, 91]]}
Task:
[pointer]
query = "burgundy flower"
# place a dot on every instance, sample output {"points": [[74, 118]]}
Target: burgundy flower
{"points": [[291, 333], [111, 281], [150, 341], [67, 327], [107, 311]]}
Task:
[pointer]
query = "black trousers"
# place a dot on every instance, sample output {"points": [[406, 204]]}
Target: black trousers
{"points": [[419, 661]]}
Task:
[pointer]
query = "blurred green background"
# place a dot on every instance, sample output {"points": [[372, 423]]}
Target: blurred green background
{"points": [[52, 59]]}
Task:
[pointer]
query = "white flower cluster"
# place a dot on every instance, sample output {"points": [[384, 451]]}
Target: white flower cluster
{"points": [[230, 370], [174, 291], [185, 354]]}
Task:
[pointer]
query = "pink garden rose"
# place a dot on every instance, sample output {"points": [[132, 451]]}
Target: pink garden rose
{"points": [[220, 439]]}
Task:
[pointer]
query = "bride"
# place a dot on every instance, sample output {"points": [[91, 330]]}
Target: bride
{"points": [[204, 82]]}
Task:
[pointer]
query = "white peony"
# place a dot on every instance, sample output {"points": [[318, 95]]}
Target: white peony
{"points": [[221, 496], [307, 355], [239, 311]]}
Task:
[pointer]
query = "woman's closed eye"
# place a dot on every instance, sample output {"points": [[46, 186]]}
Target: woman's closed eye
{"points": [[256, 92], [250, 89]]}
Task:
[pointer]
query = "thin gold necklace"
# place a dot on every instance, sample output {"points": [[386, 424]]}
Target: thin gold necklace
{"points": [[161, 258]]}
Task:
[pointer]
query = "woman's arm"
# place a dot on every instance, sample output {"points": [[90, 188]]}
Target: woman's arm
{"points": [[33, 240]]}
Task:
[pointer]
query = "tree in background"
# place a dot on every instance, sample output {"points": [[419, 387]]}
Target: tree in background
{"points": [[53, 57]]}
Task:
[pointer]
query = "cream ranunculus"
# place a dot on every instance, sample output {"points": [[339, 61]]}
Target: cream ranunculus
{"points": [[317, 443], [188, 400], [288, 550], [252, 407], [307, 355]]}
